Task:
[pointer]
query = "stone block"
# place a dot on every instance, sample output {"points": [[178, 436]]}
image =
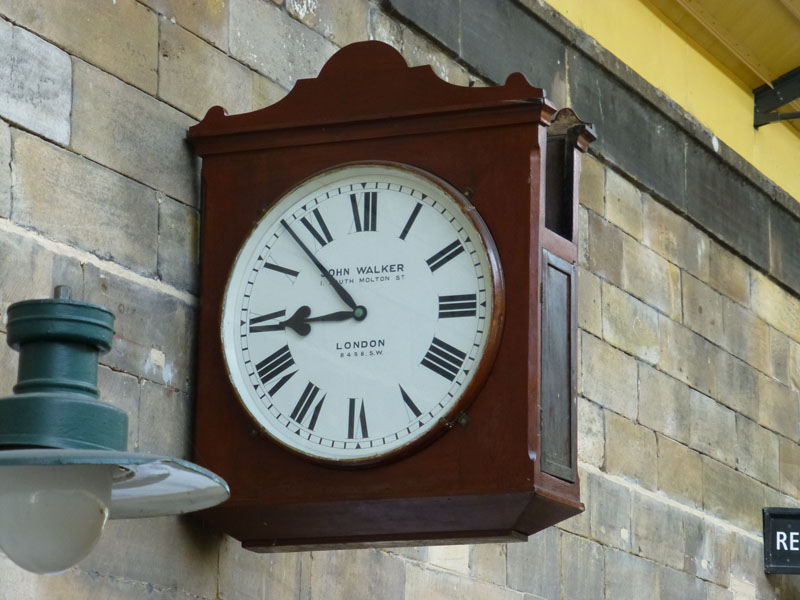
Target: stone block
{"points": [[778, 408], [784, 237], [657, 531], [747, 570], [738, 385], [651, 278], [664, 404], [631, 451], [93, 586], [265, 92], [609, 508], [674, 238], [527, 46], [688, 357], [77, 201], [451, 557], [178, 243], [746, 336], [581, 524], [626, 126], [583, 237], [441, 20], [5, 170], [164, 552], [589, 302], [487, 562], [780, 353], [731, 495], [604, 248], [757, 451], [165, 421], [713, 430], [775, 305], [194, 76], [794, 365], [715, 592], [728, 274], [30, 270], [431, 584], [385, 28], [677, 585], [727, 205], [789, 452], [347, 569], [246, 574], [274, 44], [608, 376], [341, 23], [593, 184], [702, 309], [121, 390], [680, 471], [35, 82], [629, 576], [154, 330], [208, 20], [623, 204], [418, 50], [119, 37], [584, 575], [591, 433], [535, 566], [630, 325], [708, 550], [132, 133]]}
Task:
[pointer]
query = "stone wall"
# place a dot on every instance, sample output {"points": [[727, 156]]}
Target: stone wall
{"points": [[690, 336]]}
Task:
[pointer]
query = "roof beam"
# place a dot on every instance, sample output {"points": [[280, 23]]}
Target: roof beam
{"points": [[707, 20]]}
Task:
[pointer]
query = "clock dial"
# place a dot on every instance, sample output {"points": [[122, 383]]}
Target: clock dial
{"points": [[361, 313]]}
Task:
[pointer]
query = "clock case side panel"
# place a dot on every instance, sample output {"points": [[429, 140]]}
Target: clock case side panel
{"points": [[486, 151], [556, 430]]}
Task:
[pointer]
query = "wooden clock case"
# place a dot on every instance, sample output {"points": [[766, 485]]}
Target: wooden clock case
{"points": [[509, 468]]}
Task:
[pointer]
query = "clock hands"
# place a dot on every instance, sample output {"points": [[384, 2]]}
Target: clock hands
{"points": [[299, 321], [337, 287]]}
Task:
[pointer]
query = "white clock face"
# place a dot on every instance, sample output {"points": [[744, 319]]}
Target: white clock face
{"points": [[358, 312]]}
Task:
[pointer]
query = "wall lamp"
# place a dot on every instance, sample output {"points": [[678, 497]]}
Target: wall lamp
{"points": [[64, 468]]}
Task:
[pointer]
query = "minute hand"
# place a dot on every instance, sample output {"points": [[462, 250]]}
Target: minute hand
{"points": [[337, 287]]}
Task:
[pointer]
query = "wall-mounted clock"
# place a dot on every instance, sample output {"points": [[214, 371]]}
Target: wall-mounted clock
{"points": [[386, 342], [362, 313]]}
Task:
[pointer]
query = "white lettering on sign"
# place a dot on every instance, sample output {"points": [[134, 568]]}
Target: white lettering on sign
{"points": [[794, 537], [780, 540]]}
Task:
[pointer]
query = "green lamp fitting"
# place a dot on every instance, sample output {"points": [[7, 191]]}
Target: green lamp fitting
{"points": [[56, 402]]}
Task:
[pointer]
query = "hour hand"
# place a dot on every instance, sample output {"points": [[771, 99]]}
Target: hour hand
{"points": [[299, 321]]}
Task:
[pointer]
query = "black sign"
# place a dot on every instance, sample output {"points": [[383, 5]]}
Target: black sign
{"points": [[781, 540]]}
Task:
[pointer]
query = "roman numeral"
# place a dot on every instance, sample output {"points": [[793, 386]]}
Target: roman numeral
{"points": [[256, 328], [323, 236], [368, 220], [410, 221], [280, 269], [306, 402], [410, 403], [357, 419], [461, 305], [443, 359], [274, 365], [445, 255]]}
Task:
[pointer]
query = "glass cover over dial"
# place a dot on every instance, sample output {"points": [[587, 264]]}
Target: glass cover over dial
{"points": [[358, 313]]}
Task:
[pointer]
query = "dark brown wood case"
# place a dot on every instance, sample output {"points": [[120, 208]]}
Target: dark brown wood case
{"points": [[508, 470]]}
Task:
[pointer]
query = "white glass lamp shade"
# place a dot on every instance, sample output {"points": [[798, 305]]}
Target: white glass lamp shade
{"points": [[52, 516]]}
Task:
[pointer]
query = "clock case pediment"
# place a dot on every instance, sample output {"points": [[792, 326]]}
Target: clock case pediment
{"points": [[511, 469]]}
